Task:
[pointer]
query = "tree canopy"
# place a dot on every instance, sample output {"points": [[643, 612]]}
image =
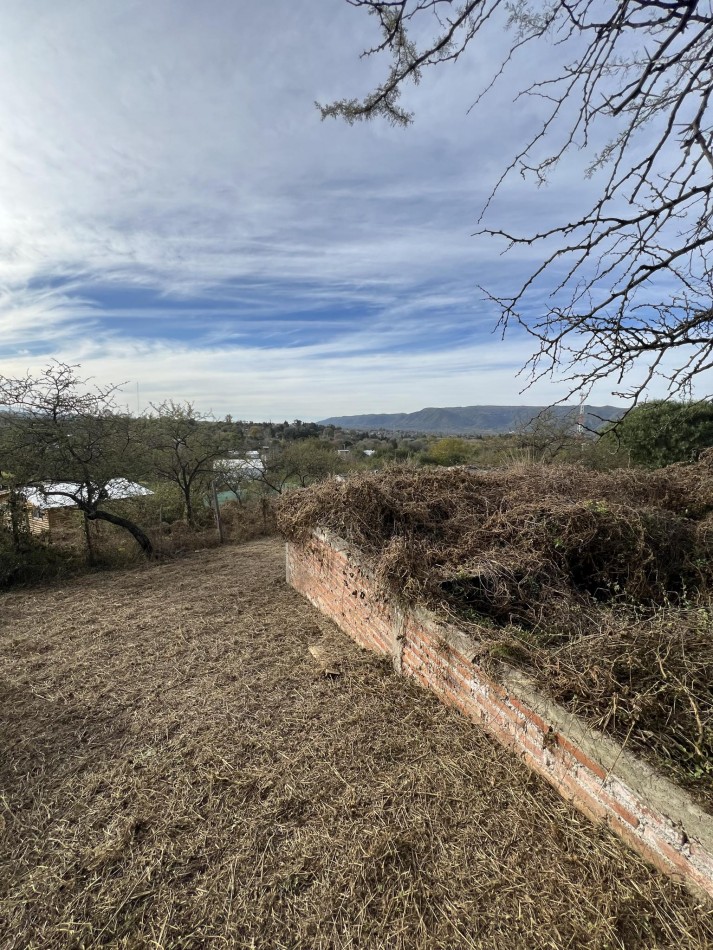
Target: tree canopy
{"points": [[661, 433], [448, 451], [627, 282]]}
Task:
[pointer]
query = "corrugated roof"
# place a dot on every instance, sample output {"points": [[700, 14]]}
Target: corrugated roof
{"points": [[54, 494], [252, 467]]}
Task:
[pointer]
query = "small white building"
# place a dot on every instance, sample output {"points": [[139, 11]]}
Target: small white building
{"points": [[250, 467]]}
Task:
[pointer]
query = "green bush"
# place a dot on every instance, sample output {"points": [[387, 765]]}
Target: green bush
{"points": [[661, 433]]}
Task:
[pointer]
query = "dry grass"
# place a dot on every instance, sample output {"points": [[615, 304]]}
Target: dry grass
{"points": [[598, 583], [176, 772]]}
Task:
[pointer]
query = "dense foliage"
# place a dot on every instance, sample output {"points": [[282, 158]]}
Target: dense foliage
{"points": [[661, 433]]}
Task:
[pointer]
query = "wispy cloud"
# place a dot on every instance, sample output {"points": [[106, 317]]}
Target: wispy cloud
{"points": [[175, 213]]}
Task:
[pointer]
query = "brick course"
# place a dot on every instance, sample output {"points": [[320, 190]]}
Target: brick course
{"points": [[599, 776]]}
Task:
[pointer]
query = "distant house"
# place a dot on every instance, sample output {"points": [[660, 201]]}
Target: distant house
{"points": [[48, 506], [250, 454], [250, 467]]}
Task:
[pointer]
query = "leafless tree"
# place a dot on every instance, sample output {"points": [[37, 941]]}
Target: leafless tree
{"points": [[629, 281], [185, 447], [69, 441], [548, 435], [236, 475], [300, 463]]}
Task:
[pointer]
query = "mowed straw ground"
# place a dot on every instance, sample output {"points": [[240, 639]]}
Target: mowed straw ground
{"points": [[176, 772]]}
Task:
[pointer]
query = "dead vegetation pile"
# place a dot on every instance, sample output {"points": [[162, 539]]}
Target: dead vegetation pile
{"points": [[598, 582], [178, 772]]}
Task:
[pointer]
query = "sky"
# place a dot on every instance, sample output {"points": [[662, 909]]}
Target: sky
{"points": [[176, 216]]}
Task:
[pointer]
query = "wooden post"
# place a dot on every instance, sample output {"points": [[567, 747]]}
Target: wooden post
{"points": [[218, 519], [15, 505], [88, 539]]}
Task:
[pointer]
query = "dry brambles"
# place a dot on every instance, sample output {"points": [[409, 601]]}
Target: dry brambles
{"points": [[599, 584]]}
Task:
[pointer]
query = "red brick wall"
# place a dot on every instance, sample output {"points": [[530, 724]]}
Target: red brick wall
{"points": [[598, 776]]}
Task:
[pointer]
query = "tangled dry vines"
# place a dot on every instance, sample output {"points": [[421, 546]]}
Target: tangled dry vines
{"points": [[598, 583]]}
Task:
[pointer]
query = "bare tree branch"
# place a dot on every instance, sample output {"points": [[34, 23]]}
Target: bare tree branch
{"points": [[628, 281]]}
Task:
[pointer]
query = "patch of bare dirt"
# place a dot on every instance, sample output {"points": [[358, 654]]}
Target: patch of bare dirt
{"points": [[176, 771]]}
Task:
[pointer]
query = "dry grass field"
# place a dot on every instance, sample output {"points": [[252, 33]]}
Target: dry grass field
{"points": [[177, 772]]}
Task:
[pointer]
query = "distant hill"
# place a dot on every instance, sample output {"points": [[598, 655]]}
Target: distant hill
{"points": [[467, 420]]}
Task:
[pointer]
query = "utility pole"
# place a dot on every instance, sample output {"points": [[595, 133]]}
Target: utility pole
{"points": [[580, 420]]}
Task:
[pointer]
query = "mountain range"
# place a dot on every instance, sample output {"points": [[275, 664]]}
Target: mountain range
{"points": [[469, 420]]}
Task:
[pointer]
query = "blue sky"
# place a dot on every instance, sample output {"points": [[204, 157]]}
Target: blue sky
{"points": [[176, 215]]}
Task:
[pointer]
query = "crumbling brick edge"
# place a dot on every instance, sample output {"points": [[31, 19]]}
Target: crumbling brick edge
{"points": [[596, 774]]}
